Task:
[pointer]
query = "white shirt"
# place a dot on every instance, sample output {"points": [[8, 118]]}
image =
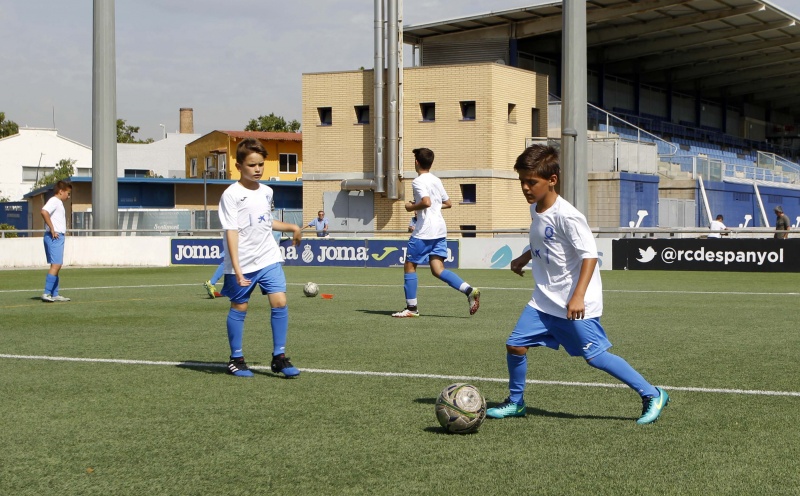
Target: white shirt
{"points": [[716, 226], [249, 212], [430, 223], [560, 240], [58, 216]]}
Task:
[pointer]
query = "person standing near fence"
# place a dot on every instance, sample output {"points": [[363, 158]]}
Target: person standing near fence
{"points": [[782, 223], [320, 224], [716, 227], [55, 220]]}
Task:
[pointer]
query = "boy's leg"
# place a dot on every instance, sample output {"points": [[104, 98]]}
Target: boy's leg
{"points": [[235, 326], [654, 399], [514, 405], [410, 284], [455, 282], [273, 283], [217, 273]]}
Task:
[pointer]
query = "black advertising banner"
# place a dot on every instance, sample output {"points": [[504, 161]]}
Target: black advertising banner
{"points": [[735, 255]]}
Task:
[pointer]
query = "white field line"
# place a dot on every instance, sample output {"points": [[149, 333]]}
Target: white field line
{"points": [[437, 286], [397, 374]]}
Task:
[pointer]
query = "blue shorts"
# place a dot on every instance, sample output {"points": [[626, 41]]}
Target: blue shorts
{"points": [[270, 279], [420, 250], [54, 248], [584, 337]]}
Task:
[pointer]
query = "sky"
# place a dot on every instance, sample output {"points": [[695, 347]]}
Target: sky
{"points": [[229, 61]]}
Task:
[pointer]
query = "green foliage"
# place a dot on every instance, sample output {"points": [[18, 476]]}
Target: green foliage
{"points": [[125, 133], [164, 425], [274, 123], [8, 227], [4, 198], [7, 128], [62, 172]]}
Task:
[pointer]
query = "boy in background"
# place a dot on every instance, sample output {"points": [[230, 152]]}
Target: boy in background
{"points": [[567, 299], [252, 258], [428, 238], [55, 220]]}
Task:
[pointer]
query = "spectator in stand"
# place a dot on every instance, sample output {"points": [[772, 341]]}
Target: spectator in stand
{"points": [[717, 226], [782, 223]]}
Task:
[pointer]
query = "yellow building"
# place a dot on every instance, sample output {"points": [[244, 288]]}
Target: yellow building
{"points": [[475, 118], [214, 155]]}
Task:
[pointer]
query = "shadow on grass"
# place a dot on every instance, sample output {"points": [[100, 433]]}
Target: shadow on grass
{"points": [[537, 412], [389, 313], [442, 431], [204, 367]]}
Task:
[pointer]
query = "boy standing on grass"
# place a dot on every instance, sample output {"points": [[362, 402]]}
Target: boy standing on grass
{"points": [[252, 258], [428, 238], [567, 297], [55, 220]]}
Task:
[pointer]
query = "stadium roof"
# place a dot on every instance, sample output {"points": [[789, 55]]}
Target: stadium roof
{"points": [[736, 50]]}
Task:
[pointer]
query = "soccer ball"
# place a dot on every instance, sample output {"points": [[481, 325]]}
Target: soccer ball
{"points": [[311, 289], [460, 408]]}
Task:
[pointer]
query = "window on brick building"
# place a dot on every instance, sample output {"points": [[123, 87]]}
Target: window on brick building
{"points": [[362, 114], [325, 116], [428, 112], [468, 193], [468, 110], [512, 113]]}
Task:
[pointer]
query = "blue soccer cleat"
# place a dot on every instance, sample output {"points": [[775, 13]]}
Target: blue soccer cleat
{"points": [[238, 367], [282, 365], [652, 407], [507, 409]]}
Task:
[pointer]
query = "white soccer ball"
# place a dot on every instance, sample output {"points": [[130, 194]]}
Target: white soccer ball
{"points": [[460, 408], [311, 289]]}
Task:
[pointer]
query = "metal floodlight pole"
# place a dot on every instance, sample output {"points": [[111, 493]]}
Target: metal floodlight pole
{"points": [[205, 198], [575, 188], [104, 120]]}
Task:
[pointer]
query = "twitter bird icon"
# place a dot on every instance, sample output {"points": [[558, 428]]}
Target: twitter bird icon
{"points": [[646, 255]]}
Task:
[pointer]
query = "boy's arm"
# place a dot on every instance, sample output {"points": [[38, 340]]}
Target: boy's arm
{"points": [[232, 238], [518, 264], [49, 222], [576, 306], [446, 204], [297, 234], [424, 203]]}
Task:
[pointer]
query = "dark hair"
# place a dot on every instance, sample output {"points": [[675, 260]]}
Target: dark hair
{"points": [[248, 146], [719, 217], [542, 160], [424, 156], [61, 186]]}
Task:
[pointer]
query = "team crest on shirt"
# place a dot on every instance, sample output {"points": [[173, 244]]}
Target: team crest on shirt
{"points": [[549, 233]]}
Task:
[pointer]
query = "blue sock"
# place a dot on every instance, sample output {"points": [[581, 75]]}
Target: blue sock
{"points": [[451, 279], [49, 283], [621, 370], [217, 273], [235, 326], [517, 371], [280, 328], [410, 285], [55, 286]]}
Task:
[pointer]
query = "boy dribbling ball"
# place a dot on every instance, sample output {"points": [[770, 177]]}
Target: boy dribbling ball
{"points": [[567, 299]]}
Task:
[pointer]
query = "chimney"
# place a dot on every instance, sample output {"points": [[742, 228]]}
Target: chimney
{"points": [[187, 121]]}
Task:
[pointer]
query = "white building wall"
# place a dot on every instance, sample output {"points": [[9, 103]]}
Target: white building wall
{"points": [[26, 148], [166, 157]]}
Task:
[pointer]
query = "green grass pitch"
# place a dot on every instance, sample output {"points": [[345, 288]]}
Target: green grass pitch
{"points": [[122, 390]]}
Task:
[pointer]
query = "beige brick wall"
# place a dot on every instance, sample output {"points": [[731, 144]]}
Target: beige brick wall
{"points": [[603, 199], [466, 150]]}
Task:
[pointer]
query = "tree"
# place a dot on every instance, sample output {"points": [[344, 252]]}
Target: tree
{"points": [[63, 171], [7, 128], [4, 198], [272, 122], [125, 133]]}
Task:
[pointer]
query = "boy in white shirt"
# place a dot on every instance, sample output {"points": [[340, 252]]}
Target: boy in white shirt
{"points": [[567, 299], [55, 220], [717, 226], [252, 258], [427, 241]]}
